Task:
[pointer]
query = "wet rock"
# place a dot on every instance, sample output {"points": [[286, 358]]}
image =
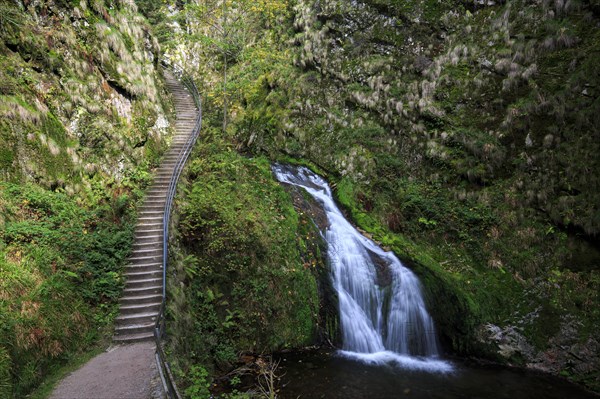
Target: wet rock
{"points": [[382, 268], [509, 342], [564, 355], [310, 206], [421, 63]]}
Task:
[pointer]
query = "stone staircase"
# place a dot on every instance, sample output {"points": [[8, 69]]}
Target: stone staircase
{"points": [[142, 296]]}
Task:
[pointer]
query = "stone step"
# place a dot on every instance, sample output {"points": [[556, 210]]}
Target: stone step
{"points": [[157, 196], [153, 201], [133, 338], [175, 148], [158, 207], [139, 318], [148, 226], [174, 155], [172, 158], [141, 283], [143, 275], [148, 214], [165, 173], [146, 245], [148, 242], [140, 299], [144, 267], [167, 167], [142, 291], [159, 187], [153, 207], [151, 215], [184, 125], [162, 181], [134, 328], [153, 239], [147, 251], [156, 191], [145, 260], [150, 219], [144, 232], [130, 308], [145, 212]]}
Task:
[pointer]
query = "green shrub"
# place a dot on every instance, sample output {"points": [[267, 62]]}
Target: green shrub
{"points": [[60, 276]]}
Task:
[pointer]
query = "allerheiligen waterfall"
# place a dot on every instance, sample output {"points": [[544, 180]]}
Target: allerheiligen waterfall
{"points": [[382, 313]]}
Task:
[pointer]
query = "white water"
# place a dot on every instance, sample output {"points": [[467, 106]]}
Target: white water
{"points": [[382, 313]]}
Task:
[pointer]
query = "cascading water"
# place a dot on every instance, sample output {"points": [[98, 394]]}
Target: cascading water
{"points": [[382, 313]]}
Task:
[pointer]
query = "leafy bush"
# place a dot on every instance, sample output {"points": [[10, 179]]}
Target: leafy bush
{"points": [[245, 284], [60, 277]]}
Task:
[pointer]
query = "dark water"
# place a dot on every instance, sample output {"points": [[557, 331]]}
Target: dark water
{"points": [[382, 344], [328, 375]]}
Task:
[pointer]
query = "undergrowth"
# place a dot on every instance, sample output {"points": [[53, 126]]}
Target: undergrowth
{"points": [[60, 276], [244, 280]]}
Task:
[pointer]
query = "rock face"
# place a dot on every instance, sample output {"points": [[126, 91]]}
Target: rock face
{"points": [[564, 354], [507, 342], [465, 135], [80, 92], [81, 125]]}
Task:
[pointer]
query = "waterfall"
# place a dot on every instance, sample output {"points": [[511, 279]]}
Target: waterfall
{"points": [[383, 315]]}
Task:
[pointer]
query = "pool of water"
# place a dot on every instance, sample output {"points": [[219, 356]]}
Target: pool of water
{"points": [[331, 375]]}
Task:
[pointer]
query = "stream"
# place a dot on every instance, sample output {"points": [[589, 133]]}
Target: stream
{"points": [[389, 344], [329, 375]]}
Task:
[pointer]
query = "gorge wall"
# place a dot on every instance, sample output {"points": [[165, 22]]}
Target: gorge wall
{"points": [[83, 118], [462, 135]]}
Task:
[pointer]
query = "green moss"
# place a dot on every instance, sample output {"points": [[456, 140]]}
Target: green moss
{"points": [[455, 310], [60, 273], [7, 157], [480, 133], [249, 282]]}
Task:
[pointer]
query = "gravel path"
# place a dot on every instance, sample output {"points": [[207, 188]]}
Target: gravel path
{"points": [[122, 372]]}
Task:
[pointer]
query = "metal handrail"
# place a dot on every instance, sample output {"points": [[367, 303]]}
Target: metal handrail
{"points": [[159, 329]]}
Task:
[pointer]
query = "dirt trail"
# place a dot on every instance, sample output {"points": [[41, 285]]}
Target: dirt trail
{"points": [[122, 372]]}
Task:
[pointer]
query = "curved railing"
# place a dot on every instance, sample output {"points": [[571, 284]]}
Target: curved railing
{"points": [[166, 374]]}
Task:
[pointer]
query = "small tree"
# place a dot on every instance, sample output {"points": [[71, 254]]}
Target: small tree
{"points": [[229, 25]]}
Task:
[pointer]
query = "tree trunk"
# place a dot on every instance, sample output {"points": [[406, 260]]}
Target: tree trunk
{"points": [[225, 67], [224, 91]]}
